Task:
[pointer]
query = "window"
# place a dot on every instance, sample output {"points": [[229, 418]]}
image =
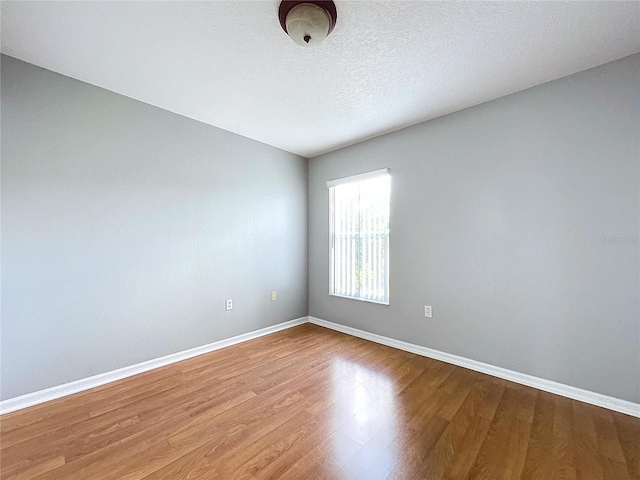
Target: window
{"points": [[359, 236]]}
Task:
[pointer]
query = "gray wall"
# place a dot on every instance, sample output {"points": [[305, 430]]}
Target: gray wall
{"points": [[498, 215], [124, 228]]}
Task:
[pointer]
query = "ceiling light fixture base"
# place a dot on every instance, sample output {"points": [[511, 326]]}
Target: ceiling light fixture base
{"points": [[307, 22]]}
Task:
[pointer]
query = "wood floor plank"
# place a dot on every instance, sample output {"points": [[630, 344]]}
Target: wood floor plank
{"points": [[628, 430], [541, 463], [326, 459], [614, 470], [417, 449], [607, 436], [563, 439], [459, 411], [312, 403], [501, 455], [588, 464], [466, 452]]}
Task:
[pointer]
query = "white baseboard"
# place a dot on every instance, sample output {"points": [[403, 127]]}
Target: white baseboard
{"points": [[41, 396], [605, 401]]}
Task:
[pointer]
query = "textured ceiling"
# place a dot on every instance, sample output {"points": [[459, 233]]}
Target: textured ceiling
{"points": [[387, 65]]}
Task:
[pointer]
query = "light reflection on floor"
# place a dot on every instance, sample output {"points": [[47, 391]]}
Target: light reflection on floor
{"points": [[364, 419]]}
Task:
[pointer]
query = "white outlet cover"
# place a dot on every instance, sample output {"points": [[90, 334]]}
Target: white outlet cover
{"points": [[274, 295], [427, 311], [228, 305]]}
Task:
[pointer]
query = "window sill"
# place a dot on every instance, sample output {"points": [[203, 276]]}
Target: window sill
{"points": [[386, 304]]}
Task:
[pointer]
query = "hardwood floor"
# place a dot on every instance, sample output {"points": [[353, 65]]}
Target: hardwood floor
{"points": [[311, 403]]}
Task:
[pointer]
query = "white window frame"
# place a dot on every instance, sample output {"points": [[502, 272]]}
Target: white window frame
{"points": [[330, 184]]}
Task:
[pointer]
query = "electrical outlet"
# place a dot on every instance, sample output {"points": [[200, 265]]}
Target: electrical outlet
{"points": [[228, 305], [427, 311], [274, 295]]}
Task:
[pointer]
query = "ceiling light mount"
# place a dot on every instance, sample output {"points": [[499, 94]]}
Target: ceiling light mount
{"points": [[307, 22]]}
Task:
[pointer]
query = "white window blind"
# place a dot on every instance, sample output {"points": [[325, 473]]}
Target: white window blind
{"points": [[359, 236]]}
